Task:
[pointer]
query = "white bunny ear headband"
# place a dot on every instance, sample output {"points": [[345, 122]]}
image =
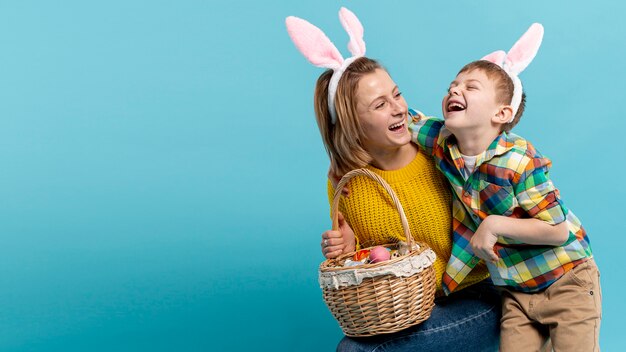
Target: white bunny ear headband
{"points": [[517, 59], [321, 52]]}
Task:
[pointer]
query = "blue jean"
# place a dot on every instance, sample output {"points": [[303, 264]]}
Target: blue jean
{"points": [[466, 321]]}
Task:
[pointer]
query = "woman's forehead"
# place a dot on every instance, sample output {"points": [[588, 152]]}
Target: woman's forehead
{"points": [[375, 83]]}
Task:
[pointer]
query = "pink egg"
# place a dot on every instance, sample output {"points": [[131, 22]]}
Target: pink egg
{"points": [[379, 254]]}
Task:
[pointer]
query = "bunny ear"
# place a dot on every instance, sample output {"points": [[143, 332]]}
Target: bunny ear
{"points": [[353, 27], [497, 57], [313, 43], [525, 49]]}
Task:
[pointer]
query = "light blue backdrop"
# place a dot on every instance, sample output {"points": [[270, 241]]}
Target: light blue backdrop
{"points": [[162, 177]]}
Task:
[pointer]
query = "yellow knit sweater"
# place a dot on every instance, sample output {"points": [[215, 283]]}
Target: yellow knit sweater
{"points": [[425, 196]]}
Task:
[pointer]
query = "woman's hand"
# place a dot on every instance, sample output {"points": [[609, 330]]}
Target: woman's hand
{"points": [[335, 243]]}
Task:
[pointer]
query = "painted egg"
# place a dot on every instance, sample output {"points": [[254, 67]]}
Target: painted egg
{"points": [[379, 254], [360, 255]]}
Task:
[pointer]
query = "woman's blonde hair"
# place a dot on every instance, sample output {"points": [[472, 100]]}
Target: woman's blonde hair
{"points": [[342, 140]]}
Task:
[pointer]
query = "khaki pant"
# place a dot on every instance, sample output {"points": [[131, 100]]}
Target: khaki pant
{"points": [[568, 312]]}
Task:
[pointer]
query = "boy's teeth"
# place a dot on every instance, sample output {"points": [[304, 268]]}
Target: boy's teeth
{"points": [[455, 106]]}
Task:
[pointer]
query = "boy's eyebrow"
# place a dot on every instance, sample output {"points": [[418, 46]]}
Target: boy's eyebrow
{"points": [[456, 83], [474, 80]]}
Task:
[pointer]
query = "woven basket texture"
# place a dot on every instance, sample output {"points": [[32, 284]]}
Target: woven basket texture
{"points": [[382, 304]]}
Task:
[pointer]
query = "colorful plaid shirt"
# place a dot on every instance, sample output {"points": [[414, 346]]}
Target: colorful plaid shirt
{"points": [[510, 179]]}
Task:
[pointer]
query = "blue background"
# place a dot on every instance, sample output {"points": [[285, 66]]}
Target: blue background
{"points": [[162, 182]]}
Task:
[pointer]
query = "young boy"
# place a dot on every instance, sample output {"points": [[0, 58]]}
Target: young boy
{"points": [[507, 212]]}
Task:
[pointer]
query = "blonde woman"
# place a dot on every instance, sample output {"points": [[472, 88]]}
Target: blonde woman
{"points": [[370, 130]]}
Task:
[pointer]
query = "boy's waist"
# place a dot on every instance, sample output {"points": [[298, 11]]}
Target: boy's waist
{"points": [[530, 288], [533, 268]]}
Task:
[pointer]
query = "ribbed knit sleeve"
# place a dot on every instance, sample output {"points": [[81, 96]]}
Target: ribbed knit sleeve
{"points": [[425, 196]]}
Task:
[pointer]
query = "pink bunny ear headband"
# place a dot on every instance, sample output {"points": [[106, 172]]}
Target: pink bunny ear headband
{"points": [[517, 59], [321, 52]]}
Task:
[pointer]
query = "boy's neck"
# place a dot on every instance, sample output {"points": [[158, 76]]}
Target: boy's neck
{"points": [[394, 159], [475, 142]]}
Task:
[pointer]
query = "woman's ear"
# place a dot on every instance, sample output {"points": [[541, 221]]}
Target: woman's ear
{"points": [[504, 115]]}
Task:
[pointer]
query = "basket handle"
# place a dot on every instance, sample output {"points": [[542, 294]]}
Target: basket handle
{"points": [[385, 185]]}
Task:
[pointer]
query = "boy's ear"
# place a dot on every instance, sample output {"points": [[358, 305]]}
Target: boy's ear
{"points": [[503, 116]]}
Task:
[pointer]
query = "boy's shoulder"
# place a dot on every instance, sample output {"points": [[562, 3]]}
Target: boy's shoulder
{"points": [[513, 143], [517, 154]]}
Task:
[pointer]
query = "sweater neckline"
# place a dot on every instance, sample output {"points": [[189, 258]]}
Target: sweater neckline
{"points": [[405, 173]]}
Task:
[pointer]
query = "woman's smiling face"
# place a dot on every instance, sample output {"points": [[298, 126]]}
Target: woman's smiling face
{"points": [[382, 111]]}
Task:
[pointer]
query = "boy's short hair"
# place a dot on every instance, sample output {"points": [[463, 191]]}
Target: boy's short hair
{"points": [[504, 86]]}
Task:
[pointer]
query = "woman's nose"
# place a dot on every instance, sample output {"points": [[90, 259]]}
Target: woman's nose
{"points": [[398, 107]]}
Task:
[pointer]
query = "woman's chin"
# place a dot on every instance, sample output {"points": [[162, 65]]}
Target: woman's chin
{"points": [[402, 140]]}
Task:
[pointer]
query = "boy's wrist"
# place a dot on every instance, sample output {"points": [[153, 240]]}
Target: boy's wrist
{"points": [[496, 224]]}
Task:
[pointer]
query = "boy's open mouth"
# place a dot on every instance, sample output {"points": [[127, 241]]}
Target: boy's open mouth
{"points": [[455, 106], [396, 126]]}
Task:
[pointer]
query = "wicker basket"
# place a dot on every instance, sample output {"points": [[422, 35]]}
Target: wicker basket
{"points": [[383, 303]]}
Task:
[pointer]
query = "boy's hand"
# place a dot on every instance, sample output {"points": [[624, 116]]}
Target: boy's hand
{"points": [[484, 240], [336, 243]]}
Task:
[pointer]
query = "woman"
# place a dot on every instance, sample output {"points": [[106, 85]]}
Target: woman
{"points": [[362, 117], [370, 130]]}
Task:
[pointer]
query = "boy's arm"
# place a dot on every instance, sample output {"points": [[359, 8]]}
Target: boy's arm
{"points": [[537, 196], [529, 231], [425, 131]]}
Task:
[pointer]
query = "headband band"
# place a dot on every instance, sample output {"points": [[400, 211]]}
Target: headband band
{"points": [[332, 87], [516, 99]]}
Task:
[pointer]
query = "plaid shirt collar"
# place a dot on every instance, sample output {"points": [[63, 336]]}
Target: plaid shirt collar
{"points": [[498, 146]]}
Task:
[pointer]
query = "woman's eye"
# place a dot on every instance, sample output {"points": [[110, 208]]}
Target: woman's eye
{"points": [[380, 105], [399, 94]]}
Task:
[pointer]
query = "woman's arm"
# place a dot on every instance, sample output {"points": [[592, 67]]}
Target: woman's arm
{"points": [[337, 242], [529, 231]]}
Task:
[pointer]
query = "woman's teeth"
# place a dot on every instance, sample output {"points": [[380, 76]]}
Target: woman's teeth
{"points": [[396, 126]]}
